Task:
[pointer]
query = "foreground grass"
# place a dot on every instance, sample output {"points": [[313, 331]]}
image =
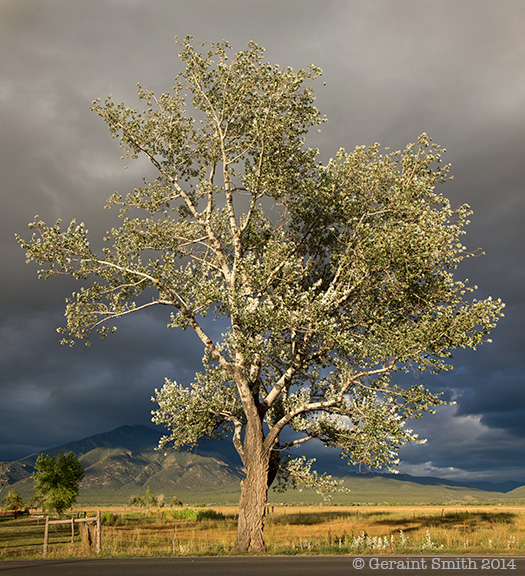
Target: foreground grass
{"points": [[289, 530]]}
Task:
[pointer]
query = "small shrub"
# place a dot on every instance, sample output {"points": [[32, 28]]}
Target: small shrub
{"points": [[209, 515], [136, 501], [183, 514], [150, 499], [198, 515], [109, 519], [13, 501]]}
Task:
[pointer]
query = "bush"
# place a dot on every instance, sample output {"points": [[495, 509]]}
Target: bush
{"points": [[148, 500], [136, 501], [109, 518], [197, 515], [13, 501], [209, 515], [183, 514]]}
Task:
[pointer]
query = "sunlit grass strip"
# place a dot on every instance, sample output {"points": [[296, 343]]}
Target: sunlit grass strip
{"points": [[311, 530]]}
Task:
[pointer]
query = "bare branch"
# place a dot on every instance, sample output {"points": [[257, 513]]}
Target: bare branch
{"points": [[293, 443]]}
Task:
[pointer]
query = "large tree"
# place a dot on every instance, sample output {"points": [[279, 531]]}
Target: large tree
{"points": [[328, 278]]}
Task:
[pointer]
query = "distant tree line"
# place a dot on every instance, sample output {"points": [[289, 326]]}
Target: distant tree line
{"points": [[150, 500]]}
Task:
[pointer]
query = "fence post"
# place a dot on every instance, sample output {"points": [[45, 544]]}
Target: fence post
{"points": [[46, 537], [72, 530], [98, 546]]}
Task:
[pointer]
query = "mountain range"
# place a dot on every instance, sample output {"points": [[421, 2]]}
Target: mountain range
{"points": [[123, 462]]}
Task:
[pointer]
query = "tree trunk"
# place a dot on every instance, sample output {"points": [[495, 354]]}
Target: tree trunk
{"points": [[254, 493], [252, 505], [274, 465]]}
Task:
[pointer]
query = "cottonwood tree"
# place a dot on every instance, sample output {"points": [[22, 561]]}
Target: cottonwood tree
{"points": [[329, 278]]}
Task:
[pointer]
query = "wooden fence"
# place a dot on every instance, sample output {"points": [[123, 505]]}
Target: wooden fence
{"points": [[73, 521]]}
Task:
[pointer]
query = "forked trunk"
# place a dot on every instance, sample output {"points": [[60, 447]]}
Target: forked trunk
{"points": [[254, 493]]}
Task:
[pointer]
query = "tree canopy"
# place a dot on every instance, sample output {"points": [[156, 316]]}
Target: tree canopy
{"points": [[328, 277], [57, 480]]}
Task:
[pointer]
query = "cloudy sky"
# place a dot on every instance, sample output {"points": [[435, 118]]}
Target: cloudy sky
{"points": [[393, 69]]}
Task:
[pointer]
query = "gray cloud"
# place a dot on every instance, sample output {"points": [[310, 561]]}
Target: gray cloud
{"points": [[393, 70], [463, 447]]}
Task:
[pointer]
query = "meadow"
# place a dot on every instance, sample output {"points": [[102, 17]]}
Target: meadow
{"points": [[289, 530]]}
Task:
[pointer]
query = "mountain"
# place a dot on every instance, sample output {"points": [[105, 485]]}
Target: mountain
{"points": [[486, 486], [123, 462]]}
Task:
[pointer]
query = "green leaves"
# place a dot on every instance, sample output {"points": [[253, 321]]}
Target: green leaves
{"points": [[65, 252], [57, 480], [207, 409], [297, 473], [329, 278]]}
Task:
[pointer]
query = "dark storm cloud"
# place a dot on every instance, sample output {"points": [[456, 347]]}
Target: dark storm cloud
{"points": [[463, 447], [393, 70], [73, 393]]}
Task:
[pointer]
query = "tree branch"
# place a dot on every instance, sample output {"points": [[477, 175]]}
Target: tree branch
{"points": [[295, 443], [325, 405]]}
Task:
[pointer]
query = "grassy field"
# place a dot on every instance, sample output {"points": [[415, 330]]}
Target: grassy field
{"points": [[289, 530]]}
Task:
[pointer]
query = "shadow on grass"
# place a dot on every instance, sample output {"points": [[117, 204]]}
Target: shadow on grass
{"points": [[313, 518], [468, 520]]}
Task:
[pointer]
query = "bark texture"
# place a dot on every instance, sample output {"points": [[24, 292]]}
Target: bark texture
{"points": [[254, 493]]}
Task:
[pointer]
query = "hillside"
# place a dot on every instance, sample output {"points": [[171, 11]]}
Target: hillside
{"points": [[123, 462], [517, 495]]}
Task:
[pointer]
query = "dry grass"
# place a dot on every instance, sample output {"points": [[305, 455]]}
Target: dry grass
{"points": [[289, 530], [401, 530]]}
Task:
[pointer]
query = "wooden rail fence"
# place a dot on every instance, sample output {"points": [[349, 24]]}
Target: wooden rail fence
{"points": [[73, 521]]}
